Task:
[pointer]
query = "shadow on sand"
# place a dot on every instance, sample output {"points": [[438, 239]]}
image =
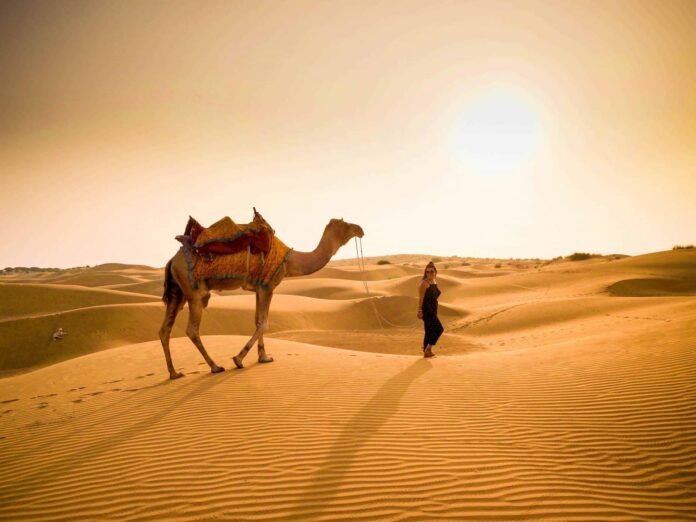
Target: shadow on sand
{"points": [[325, 483], [71, 452]]}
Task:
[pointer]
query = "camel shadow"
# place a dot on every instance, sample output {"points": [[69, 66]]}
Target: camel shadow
{"points": [[354, 435], [74, 453]]}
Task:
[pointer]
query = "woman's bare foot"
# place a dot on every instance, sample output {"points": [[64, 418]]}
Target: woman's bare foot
{"points": [[428, 352]]}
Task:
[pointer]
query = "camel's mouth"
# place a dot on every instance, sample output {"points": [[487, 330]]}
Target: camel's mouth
{"points": [[359, 231]]}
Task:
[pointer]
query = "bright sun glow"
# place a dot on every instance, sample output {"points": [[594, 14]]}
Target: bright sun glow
{"points": [[497, 133]]}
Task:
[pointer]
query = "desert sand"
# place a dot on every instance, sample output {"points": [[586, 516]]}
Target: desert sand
{"points": [[561, 391]]}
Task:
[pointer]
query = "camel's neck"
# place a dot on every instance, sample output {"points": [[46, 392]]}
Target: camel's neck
{"points": [[305, 263]]}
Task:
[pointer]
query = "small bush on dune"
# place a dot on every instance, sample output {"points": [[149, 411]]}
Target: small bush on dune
{"points": [[384, 262], [682, 247], [436, 259], [581, 256], [498, 265]]}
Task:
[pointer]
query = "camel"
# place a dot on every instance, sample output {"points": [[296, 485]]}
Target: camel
{"points": [[178, 291]]}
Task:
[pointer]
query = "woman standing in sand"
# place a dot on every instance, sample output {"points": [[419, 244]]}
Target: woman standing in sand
{"points": [[427, 309]]}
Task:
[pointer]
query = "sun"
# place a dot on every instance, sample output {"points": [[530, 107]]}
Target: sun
{"points": [[497, 132]]}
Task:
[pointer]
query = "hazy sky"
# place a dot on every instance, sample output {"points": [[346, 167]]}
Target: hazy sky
{"points": [[493, 129]]}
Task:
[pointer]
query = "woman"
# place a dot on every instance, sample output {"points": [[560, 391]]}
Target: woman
{"points": [[427, 309]]}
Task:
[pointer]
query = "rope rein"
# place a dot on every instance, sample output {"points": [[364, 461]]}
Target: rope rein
{"points": [[360, 258]]}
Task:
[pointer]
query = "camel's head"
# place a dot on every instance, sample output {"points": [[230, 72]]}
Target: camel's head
{"points": [[345, 231]]}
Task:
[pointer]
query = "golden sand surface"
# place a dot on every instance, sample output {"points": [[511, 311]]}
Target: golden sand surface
{"points": [[561, 391]]}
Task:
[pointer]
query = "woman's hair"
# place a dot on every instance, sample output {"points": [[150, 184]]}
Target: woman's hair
{"points": [[429, 265]]}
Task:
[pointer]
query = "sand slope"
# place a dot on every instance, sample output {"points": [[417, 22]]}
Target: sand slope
{"points": [[560, 392], [479, 302], [590, 430]]}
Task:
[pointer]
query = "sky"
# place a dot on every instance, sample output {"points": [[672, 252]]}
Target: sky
{"points": [[471, 128]]}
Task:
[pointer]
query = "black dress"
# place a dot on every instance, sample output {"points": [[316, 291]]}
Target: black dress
{"points": [[433, 326]]}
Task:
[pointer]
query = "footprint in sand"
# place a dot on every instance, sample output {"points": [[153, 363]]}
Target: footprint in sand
{"points": [[8, 401], [42, 405], [115, 389], [95, 393], [77, 400], [6, 412]]}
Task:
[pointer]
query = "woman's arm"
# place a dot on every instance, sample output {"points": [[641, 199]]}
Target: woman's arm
{"points": [[421, 294]]}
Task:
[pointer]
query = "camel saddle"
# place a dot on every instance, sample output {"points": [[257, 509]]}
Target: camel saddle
{"points": [[222, 251], [226, 237]]}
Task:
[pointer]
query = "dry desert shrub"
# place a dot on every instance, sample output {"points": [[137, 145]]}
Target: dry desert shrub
{"points": [[581, 256]]}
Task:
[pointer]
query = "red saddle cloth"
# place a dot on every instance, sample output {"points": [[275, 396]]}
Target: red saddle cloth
{"points": [[232, 239]]}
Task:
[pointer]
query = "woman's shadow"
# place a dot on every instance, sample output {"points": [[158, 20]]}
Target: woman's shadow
{"points": [[327, 480]]}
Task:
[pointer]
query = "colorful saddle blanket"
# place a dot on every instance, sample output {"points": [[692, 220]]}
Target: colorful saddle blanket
{"points": [[253, 270], [227, 237], [226, 250]]}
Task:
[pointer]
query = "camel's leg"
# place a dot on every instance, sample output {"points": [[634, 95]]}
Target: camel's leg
{"points": [[263, 358], [173, 307], [192, 331], [263, 304]]}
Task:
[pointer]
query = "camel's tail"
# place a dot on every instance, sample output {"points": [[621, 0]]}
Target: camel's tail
{"points": [[171, 289]]}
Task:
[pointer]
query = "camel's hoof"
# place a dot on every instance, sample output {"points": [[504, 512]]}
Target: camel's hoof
{"points": [[237, 362], [217, 369], [175, 375], [266, 359]]}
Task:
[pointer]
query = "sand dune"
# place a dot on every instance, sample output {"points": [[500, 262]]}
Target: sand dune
{"points": [[146, 287], [592, 430], [18, 301], [100, 275], [560, 392], [476, 306], [95, 279], [371, 272], [653, 287], [671, 262]]}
